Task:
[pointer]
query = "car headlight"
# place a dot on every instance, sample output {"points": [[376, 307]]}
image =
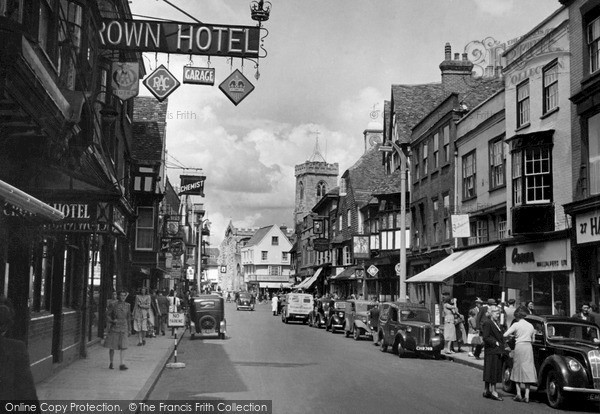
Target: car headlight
{"points": [[408, 329], [341, 315], [574, 365], [437, 331], [364, 319]]}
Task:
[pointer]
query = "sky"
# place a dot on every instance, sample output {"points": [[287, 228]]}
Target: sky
{"points": [[329, 67]]}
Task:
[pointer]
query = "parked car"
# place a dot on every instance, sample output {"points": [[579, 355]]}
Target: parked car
{"points": [[207, 316], [357, 319], [297, 307], [336, 315], [566, 354], [317, 318], [245, 300], [408, 327]]}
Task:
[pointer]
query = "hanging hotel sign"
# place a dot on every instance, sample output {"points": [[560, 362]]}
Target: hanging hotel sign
{"points": [[198, 76], [236, 87], [360, 247], [161, 83], [192, 185], [125, 79], [587, 227], [548, 256], [180, 38]]}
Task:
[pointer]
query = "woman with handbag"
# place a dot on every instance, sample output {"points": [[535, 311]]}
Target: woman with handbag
{"points": [[494, 350], [523, 370], [449, 326]]}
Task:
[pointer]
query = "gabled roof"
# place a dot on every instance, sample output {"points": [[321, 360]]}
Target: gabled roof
{"points": [[389, 186], [367, 173], [259, 235], [147, 142], [410, 103]]}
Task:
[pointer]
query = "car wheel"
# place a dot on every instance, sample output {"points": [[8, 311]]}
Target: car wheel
{"points": [[437, 355], [400, 349], [356, 333], [347, 334], [507, 384], [327, 328], [556, 396], [332, 329], [222, 335]]}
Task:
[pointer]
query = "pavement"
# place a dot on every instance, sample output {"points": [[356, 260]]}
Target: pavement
{"points": [[91, 379], [464, 359]]}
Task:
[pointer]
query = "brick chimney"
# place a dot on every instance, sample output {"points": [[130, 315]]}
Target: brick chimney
{"points": [[454, 71]]}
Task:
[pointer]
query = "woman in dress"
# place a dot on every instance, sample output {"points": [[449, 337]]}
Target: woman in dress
{"points": [[494, 348], [449, 326], [141, 314], [118, 317], [523, 371]]}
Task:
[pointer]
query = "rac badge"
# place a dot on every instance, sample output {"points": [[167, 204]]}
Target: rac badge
{"points": [[161, 83]]}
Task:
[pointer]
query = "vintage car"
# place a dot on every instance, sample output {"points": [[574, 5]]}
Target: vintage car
{"points": [[207, 316], [317, 318], [408, 327], [566, 353], [336, 315], [357, 318], [297, 307], [245, 300]]}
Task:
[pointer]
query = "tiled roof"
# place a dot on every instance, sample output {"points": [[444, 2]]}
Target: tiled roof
{"points": [[146, 108], [390, 186], [147, 143], [365, 175], [258, 236], [412, 102], [479, 90]]}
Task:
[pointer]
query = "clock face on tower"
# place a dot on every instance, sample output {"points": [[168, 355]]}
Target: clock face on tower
{"points": [[375, 139]]}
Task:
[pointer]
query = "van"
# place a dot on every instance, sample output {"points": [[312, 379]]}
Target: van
{"points": [[297, 307]]}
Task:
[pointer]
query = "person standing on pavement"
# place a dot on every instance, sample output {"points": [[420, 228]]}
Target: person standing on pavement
{"points": [[530, 307], [274, 304], [16, 379], [163, 309], [482, 316], [449, 326], [141, 315], [494, 349], [584, 313], [509, 311], [119, 319], [473, 337], [523, 370]]}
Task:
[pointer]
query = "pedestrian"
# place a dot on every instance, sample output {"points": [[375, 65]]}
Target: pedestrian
{"points": [[16, 379], [163, 309], [449, 326], [559, 309], [584, 313], [274, 303], [119, 320], [510, 312], [482, 315], [461, 333], [473, 337], [141, 314], [153, 315], [594, 314], [494, 349], [530, 307], [523, 370], [114, 298]]}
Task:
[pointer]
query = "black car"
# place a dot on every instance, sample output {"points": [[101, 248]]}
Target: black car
{"points": [[566, 354], [245, 300], [336, 315], [207, 316]]}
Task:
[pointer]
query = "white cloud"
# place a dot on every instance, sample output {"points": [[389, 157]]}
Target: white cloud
{"points": [[495, 7]]}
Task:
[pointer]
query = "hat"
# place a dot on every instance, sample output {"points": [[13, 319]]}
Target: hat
{"points": [[511, 301], [478, 300], [491, 302]]}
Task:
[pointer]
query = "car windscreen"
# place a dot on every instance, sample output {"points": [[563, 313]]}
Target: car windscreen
{"points": [[364, 307], [340, 305], [414, 315], [572, 332], [245, 296]]}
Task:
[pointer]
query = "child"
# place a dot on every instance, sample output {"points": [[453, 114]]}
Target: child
{"points": [[473, 337]]}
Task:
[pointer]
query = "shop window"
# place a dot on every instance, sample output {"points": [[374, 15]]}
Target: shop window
{"points": [[496, 164], [144, 233], [594, 154], [469, 179], [523, 104], [550, 87]]}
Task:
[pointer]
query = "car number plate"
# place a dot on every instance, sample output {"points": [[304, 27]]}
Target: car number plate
{"points": [[594, 397], [208, 331], [424, 348]]}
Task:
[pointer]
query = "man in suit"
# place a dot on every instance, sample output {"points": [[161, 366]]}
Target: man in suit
{"points": [[584, 313], [16, 380], [494, 349]]}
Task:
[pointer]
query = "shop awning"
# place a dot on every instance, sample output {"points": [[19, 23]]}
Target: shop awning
{"points": [[452, 264], [307, 283], [347, 273], [28, 204], [274, 285]]}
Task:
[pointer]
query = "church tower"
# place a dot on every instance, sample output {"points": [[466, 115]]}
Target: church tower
{"points": [[314, 179]]}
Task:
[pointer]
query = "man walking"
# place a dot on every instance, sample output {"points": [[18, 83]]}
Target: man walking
{"points": [[163, 308]]}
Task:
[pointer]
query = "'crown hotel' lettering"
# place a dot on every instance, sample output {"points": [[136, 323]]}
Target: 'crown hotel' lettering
{"points": [[182, 38]]}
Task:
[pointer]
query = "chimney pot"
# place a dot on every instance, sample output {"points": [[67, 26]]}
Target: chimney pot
{"points": [[465, 57], [448, 52], [457, 56]]}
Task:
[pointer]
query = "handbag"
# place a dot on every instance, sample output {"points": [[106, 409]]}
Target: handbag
{"points": [[476, 340]]}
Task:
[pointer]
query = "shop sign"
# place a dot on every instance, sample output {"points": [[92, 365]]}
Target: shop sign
{"points": [[125, 79], [587, 227], [460, 225], [236, 87], [79, 218], [321, 244], [161, 83], [360, 247], [165, 242], [271, 278], [198, 76], [180, 38], [119, 221], [554, 255], [372, 270], [192, 185]]}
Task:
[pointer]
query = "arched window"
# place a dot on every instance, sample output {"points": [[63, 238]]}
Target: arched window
{"points": [[321, 189], [301, 185]]}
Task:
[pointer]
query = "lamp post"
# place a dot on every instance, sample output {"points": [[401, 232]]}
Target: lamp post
{"points": [[402, 151]]}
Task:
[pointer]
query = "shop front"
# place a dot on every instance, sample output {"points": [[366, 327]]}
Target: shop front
{"points": [[541, 272]]}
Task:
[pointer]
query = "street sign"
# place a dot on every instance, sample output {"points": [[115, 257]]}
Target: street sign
{"points": [[398, 268], [125, 79], [176, 319], [198, 76], [236, 87], [190, 272], [161, 83], [372, 270]]}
